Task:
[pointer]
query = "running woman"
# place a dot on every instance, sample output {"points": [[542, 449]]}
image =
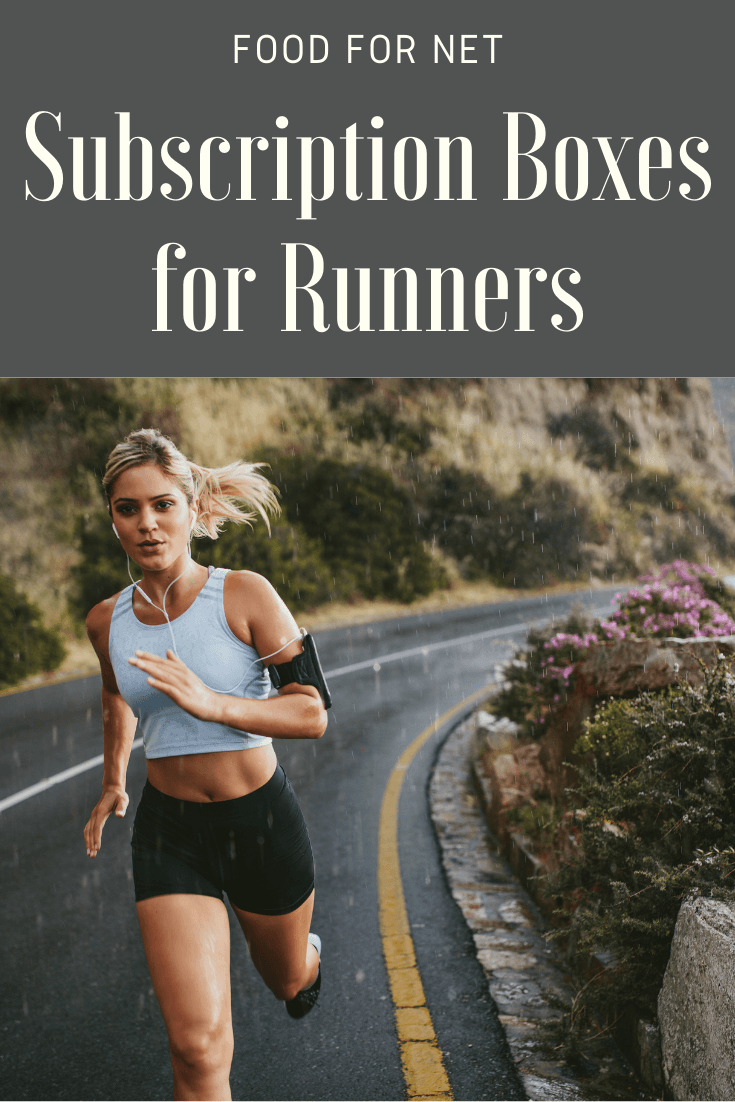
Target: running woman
{"points": [[183, 655]]}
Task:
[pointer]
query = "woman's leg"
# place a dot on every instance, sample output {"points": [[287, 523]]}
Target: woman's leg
{"points": [[187, 946], [280, 949]]}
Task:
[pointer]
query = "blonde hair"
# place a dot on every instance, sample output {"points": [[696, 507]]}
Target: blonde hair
{"points": [[222, 491]]}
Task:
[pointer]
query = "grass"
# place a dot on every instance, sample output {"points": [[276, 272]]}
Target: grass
{"points": [[223, 419]]}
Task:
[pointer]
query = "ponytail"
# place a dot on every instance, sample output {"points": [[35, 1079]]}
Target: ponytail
{"points": [[223, 491], [219, 489]]}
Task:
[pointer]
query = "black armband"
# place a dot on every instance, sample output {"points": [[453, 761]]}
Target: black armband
{"points": [[304, 669]]}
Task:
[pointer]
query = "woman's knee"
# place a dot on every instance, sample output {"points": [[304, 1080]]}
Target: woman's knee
{"points": [[284, 985], [287, 990], [202, 1049]]}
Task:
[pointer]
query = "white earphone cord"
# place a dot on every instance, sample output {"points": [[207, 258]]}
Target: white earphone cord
{"points": [[222, 692]]}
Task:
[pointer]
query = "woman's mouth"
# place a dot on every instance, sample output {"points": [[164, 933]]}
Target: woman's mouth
{"points": [[150, 545]]}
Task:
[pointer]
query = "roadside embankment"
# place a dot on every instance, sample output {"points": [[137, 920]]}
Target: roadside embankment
{"points": [[618, 820], [532, 987]]}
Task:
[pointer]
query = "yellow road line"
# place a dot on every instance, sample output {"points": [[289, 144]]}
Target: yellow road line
{"points": [[421, 1057]]}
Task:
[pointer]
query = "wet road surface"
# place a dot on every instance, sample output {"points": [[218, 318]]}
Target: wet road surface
{"points": [[78, 1017]]}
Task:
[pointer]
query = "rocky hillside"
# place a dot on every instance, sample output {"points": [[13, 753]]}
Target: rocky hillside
{"points": [[521, 482], [665, 424]]}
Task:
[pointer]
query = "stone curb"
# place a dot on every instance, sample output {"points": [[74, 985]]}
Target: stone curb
{"points": [[526, 978], [638, 1038]]}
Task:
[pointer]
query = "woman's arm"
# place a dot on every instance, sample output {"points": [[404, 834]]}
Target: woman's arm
{"points": [[297, 712], [118, 732], [256, 615]]}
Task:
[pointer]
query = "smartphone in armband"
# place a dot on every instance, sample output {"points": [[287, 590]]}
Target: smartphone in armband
{"points": [[304, 669]]}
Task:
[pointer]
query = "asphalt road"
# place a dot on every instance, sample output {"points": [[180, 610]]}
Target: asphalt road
{"points": [[78, 1017]]}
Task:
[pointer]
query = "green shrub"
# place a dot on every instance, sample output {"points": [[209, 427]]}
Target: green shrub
{"points": [[102, 569], [529, 538], [603, 444], [647, 488], [531, 685], [26, 646], [365, 524], [81, 419], [384, 426], [291, 560], [657, 825], [536, 820]]}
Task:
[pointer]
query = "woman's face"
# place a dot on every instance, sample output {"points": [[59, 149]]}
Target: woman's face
{"points": [[152, 516]]}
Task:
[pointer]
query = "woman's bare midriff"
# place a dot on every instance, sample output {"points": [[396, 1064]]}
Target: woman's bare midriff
{"points": [[206, 778]]}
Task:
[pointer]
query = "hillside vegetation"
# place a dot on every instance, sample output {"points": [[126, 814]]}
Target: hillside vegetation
{"points": [[390, 489]]}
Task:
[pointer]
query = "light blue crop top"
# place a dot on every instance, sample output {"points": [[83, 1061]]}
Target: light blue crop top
{"points": [[208, 646]]}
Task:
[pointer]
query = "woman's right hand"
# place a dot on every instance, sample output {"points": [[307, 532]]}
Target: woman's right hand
{"points": [[113, 800]]}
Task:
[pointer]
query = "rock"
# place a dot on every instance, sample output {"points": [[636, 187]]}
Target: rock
{"points": [[516, 778], [634, 665], [696, 1006], [485, 720], [499, 742], [496, 733], [641, 1041], [648, 1051]]}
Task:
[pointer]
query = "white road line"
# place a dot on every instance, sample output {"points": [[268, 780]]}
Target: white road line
{"points": [[370, 663], [57, 778], [491, 633]]}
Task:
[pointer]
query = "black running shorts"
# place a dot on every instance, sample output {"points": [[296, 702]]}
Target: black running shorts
{"points": [[255, 848]]}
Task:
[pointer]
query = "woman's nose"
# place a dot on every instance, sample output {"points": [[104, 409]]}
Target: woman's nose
{"points": [[146, 520]]}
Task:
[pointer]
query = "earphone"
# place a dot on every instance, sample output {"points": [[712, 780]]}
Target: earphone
{"points": [[145, 596], [222, 692]]}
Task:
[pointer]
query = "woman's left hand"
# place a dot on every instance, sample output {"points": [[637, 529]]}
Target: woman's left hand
{"points": [[174, 678]]}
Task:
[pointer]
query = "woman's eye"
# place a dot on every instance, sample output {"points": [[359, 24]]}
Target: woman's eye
{"points": [[165, 504]]}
